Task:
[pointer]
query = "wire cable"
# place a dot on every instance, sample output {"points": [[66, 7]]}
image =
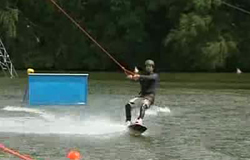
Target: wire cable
{"points": [[235, 7], [91, 38]]}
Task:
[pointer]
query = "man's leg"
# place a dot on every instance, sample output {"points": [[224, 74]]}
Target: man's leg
{"points": [[128, 108], [145, 105], [128, 112]]}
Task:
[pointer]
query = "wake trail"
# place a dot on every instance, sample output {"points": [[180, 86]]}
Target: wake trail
{"points": [[47, 123]]}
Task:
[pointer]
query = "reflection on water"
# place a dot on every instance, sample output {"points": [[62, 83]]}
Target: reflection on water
{"points": [[184, 124]]}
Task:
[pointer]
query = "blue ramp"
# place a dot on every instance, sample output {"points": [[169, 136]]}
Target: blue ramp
{"points": [[57, 89]]}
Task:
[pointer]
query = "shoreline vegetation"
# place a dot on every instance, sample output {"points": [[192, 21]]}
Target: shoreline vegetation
{"points": [[167, 80]]}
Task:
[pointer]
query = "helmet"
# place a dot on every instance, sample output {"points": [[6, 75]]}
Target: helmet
{"points": [[149, 62]]}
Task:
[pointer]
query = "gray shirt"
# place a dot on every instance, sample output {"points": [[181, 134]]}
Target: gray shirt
{"points": [[149, 83]]}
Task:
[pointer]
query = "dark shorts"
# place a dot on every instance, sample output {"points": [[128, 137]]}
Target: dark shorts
{"points": [[142, 99], [150, 97]]}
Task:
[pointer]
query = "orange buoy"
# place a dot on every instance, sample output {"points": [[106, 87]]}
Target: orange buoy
{"points": [[74, 155]]}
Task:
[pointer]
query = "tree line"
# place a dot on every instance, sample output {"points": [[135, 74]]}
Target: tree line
{"points": [[179, 35]]}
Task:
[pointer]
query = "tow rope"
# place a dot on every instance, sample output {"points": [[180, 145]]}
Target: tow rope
{"points": [[17, 154], [127, 72]]}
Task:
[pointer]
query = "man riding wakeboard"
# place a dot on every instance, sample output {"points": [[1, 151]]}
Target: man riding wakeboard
{"points": [[149, 83]]}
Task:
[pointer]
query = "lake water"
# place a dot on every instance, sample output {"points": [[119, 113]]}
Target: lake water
{"points": [[186, 123]]}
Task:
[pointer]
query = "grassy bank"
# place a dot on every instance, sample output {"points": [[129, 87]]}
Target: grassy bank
{"points": [[171, 80], [166, 77]]}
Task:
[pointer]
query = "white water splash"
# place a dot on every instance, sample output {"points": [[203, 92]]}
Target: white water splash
{"points": [[21, 109], [39, 112], [60, 126], [155, 110], [47, 123]]}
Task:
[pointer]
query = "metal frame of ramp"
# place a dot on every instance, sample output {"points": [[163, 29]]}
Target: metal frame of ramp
{"points": [[5, 62]]}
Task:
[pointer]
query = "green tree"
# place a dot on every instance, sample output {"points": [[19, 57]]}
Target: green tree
{"points": [[8, 19], [180, 35], [201, 40]]}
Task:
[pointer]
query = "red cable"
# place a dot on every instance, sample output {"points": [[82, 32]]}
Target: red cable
{"points": [[90, 37], [7, 150]]}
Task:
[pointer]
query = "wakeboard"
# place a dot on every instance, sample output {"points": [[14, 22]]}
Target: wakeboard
{"points": [[136, 129]]}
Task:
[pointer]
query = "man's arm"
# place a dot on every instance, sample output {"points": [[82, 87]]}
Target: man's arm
{"points": [[149, 77], [134, 77]]}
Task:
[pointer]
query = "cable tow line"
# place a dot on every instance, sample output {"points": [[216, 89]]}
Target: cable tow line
{"points": [[17, 154], [90, 37]]}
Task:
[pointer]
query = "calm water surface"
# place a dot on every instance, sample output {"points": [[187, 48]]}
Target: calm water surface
{"points": [[185, 124]]}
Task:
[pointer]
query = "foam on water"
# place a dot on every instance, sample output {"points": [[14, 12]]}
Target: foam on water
{"points": [[21, 109], [47, 123], [155, 110], [39, 112]]}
